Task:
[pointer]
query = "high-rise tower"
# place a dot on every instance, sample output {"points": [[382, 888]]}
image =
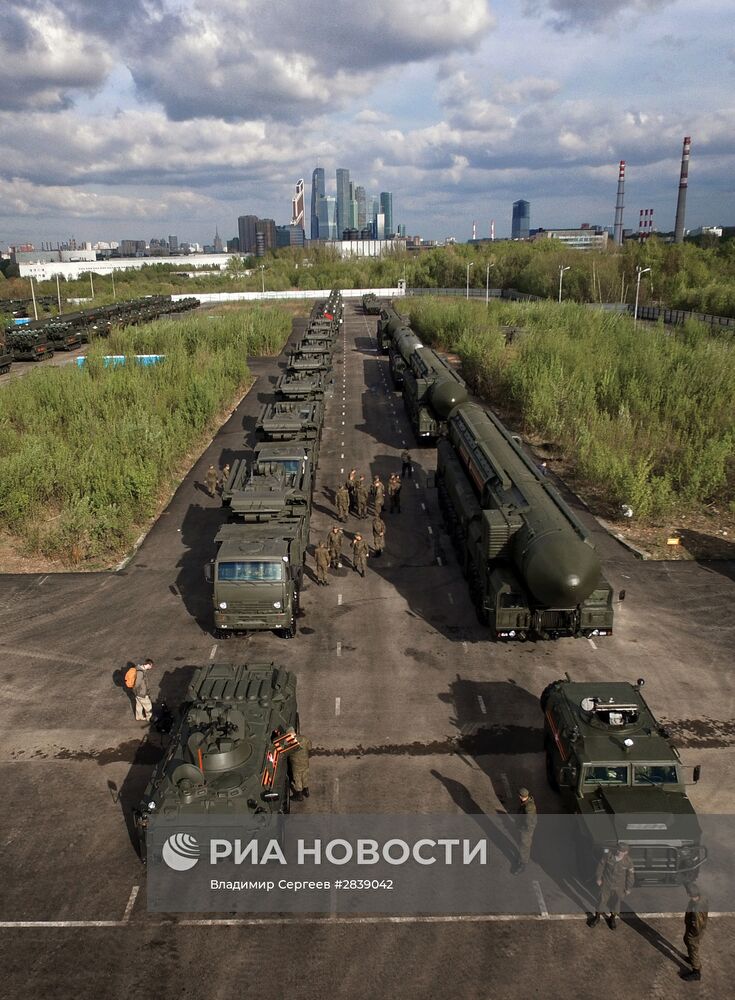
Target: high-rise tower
{"points": [[386, 208], [521, 224], [343, 200], [317, 192], [681, 203], [297, 205]]}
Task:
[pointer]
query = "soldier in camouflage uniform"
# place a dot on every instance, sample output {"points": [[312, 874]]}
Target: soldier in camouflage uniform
{"points": [[321, 560], [225, 474], [359, 554], [342, 497], [351, 485], [298, 766], [695, 925], [377, 492], [378, 534], [526, 827], [334, 547], [615, 877], [361, 497], [394, 492], [211, 479]]}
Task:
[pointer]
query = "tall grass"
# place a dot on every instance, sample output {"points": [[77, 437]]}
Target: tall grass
{"points": [[647, 415], [86, 455]]}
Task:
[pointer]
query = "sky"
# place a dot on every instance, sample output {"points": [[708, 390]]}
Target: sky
{"points": [[139, 118]]}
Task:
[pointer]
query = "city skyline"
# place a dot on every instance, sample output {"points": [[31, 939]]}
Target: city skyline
{"points": [[458, 114]]}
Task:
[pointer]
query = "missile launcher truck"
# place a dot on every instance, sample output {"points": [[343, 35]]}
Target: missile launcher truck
{"points": [[617, 768], [228, 752], [303, 385], [298, 362], [430, 387], [389, 323], [370, 304], [28, 345], [314, 344], [289, 421]]}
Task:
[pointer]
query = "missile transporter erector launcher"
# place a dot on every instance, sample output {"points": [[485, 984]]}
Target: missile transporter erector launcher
{"points": [[227, 757], [389, 323], [530, 564], [430, 387], [619, 771]]}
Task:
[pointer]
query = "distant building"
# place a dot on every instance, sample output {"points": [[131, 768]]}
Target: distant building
{"points": [[132, 248], [268, 228], [343, 198], [317, 193], [521, 220], [379, 226], [247, 228], [706, 231], [233, 245], [51, 256], [327, 218], [217, 243], [361, 199], [386, 207], [586, 238], [297, 205], [173, 244]]}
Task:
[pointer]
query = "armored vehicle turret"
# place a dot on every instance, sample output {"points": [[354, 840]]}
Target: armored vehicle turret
{"points": [[619, 770], [228, 751]]}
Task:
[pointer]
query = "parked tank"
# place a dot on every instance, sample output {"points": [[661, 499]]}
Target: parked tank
{"points": [[619, 770], [228, 751], [531, 565], [288, 421], [299, 385]]}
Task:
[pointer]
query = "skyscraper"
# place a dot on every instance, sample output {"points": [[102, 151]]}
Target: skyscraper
{"points": [[386, 208], [317, 192], [297, 205], [247, 228], [521, 220], [343, 199], [361, 200], [268, 228], [327, 218]]}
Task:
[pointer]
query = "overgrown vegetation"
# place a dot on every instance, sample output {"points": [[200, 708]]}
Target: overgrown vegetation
{"points": [[647, 415], [86, 455]]}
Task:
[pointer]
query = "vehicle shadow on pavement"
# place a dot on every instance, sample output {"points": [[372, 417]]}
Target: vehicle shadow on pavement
{"points": [[198, 528]]}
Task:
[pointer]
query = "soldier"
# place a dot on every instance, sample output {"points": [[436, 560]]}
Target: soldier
{"points": [[377, 492], [615, 877], [361, 497], [695, 925], [321, 559], [225, 475], [351, 485], [143, 707], [334, 547], [211, 478], [526, 826], [378, 534], [342, 497], [394, 492], [406, 465], [298, 765], [359, 554]]}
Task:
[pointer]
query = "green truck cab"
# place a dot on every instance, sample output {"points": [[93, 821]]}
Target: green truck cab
{"points": [[228, 751], [617, 768]]}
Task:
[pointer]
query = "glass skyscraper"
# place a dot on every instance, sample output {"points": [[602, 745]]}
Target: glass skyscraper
{"points": [[386, 208], [327, 218], [343, 200], [521, 220], [317, 192]]}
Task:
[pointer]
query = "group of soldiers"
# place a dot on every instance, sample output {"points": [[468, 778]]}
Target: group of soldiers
{"points": [[215, 480], [328, 555], [615, 879]]}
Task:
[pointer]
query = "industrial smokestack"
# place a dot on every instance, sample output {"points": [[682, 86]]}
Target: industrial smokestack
{"points": [[474, 230], [492, 229], [681, 203], [618, 231]]}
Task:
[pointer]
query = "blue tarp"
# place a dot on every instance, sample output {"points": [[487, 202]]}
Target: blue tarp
{"points": [[119, 359]]}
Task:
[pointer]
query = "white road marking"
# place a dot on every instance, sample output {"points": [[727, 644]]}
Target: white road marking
{"points": [[213, 651], [423, 506], [131, 903], [42, 581], [341, 471], [416, 485], [590, 641], [343, 423], [339, 598], [465, 647], [541, 901], [342, 455], [430, 530], [506, 786], [481, 703], [339, 649], [439, 561], [337, 706], [449, 595]]}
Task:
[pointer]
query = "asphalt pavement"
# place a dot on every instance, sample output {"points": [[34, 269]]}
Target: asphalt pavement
{"points": [[393, 670]]}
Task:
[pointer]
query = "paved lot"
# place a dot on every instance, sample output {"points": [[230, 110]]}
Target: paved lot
{"points": [[392, 670]]}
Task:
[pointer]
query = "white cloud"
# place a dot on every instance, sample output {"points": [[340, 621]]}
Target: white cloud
{"points": [[589, 15]]}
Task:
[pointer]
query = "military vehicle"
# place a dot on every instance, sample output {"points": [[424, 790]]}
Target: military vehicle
{"points": [[298, 362], [6, 358], [313, 344], [618, 769], [326, 329], [370, 304], [289, 421], [531, 565], [430, 387], [61, 335], [228, 751], [282, 470], [27, 345], [303, 385], [389, 323]]}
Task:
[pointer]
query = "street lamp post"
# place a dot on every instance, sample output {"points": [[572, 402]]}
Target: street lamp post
{"points": [[471, 264], [487, 284], [262, 278], [33, 296], [91, 283], [562, 269], [58, 292], [114, 294], [639, 271]]}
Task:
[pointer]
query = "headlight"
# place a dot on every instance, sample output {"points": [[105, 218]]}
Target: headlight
{"points": [[277, 605], [223, 605], [151, 806]]}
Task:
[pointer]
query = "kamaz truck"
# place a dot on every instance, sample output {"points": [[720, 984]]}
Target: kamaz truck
{"points": [[228, 752], [28, 345], [303, 385], [299, 362], [617, 768], [289, 421]]}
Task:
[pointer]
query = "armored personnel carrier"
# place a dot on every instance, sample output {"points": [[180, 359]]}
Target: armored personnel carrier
{"points": [[288, 421], [228, 751], [619, 770], [302, 385]]}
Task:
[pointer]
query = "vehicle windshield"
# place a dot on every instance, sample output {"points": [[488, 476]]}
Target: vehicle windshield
{"points": [[291, 466], [606, 774], [250, 572], [656, 774]]}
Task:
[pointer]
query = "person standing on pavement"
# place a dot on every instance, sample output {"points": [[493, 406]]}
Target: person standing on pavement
{"points": [[406, 465], [334, 546], [342, 497], [377, 492], [143, 706], [351, 485], [394, 493], [361, 497], [211, 479], [695, 925], [378, 534], [615, 878], [526, 826], [298, 765], [360, 554], [225, 476], [321, 560]]}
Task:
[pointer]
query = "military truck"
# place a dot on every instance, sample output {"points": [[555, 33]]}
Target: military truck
{"points": [[617, 768], [388, 325], [300, 385], [228, 751], [289, 421], [28, 345], [299, 362], [280, 477], [315, 344], [370, 304]]}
